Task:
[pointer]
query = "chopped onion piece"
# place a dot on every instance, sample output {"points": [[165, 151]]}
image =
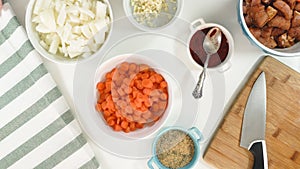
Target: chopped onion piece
{"points": [[62, 15], [71, 28]]}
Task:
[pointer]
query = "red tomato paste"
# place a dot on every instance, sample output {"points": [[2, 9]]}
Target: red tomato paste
{"points": [[198, 53]]}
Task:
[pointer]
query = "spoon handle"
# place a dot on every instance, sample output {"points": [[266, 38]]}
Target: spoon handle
{"points": [[197, 93]]}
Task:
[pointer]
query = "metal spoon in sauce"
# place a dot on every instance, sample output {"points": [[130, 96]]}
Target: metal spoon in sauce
{"points": [[211, 45]]}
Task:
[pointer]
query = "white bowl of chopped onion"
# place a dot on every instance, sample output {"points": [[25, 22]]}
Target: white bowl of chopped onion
{"points": [[68, 31], [152, 15]]}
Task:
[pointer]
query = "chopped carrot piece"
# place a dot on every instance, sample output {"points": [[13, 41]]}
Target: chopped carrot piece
{"points": [[136, 117], [145, 76], [152, 72], [127, 90], [131, 84], [156, 118], [132, 67], [154, 99], [113, 71], [140, 96], [163, 84], [147, 115], [118, 114], [118, 120], [99, 107], [103, 105], [148, 103], [144, 67], [155, 86], [124, 124], [126, 81], [147, 91], [108, 76], [111, 122], [127, 130], [138, 103], [132, 126], [129, 118], [163, 96], [147, 83], [139, 125], [115, 94], [158, 78], [111, 118], [117, 127], [124, 66], [128, 110], [100, 86], [134, 92], [138, 76], [144, 108], [121, 92], [139, 85], [152, 78], [142, 121], [106, 113], [162, 105], [108, 84], [133, 105], [154, 108]]}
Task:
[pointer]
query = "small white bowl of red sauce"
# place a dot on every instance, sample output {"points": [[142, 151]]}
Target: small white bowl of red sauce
{"points": [[218, 61]]}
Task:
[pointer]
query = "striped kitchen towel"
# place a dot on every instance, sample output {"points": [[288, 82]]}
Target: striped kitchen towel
{"points": [[37, 128]]}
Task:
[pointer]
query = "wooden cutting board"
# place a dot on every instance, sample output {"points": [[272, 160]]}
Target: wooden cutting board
{"points": [[282, 123]]}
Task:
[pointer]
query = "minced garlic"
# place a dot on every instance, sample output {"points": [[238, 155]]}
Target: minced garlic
{"points": [[145, 11]]}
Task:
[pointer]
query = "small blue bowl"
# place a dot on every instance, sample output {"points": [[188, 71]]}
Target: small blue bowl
{"points": [[193, 133], [286, 52]]}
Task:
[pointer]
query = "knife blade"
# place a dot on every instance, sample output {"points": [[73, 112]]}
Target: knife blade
{"points": [[254, 124]]}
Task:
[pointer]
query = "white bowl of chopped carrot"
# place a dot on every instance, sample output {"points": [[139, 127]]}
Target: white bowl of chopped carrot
{"points": [[132, 96]]}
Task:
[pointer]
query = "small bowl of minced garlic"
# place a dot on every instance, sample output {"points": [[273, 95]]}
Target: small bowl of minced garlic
{"points": [[152, 15]]}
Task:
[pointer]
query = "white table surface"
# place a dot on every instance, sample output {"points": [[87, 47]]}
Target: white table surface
{"points": [[245, 57]]}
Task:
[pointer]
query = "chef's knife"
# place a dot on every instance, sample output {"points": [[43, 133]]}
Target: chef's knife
{"points": [[254, 124]]}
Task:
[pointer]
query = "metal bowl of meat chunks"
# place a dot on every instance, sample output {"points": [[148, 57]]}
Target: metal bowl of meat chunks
{"points": [[272, 25]]}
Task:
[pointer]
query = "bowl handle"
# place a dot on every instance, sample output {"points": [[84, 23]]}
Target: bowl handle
{"points": [[196, 133], [196, 23], [150, 163]]}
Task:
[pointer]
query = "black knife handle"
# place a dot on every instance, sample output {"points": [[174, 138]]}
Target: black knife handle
{"points": [[259, 151]]}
